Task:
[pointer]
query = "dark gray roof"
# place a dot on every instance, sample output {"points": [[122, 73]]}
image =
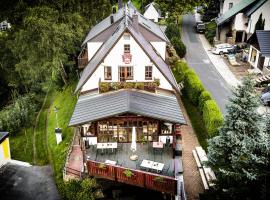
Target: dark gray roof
{"points": [[92, 108], [3, 135], [129, 10], [233, 11], [255, 7], [263, 38], [126, 25]]}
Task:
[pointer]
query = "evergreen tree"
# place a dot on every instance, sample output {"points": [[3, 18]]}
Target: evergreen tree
{"points": [[236, 153], [260, 23]]}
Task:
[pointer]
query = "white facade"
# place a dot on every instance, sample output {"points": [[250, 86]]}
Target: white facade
{"points": [[227, 4], [253, 59], [138, 62], [239, 22], [265, 11], [151, 13], [92, 48]]}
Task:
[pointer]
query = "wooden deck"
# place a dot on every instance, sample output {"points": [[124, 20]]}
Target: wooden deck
{"points": [[160, 181]]}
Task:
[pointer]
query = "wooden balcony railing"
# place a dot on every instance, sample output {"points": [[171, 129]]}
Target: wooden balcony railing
{"points": [[82, 62], [133, 177]]}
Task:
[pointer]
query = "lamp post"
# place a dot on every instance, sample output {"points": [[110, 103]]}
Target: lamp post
{"points": [[57, 130]]}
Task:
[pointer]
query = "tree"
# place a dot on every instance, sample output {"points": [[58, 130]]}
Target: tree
{"points": [[260, 23], [237, 154], [87, 189]]}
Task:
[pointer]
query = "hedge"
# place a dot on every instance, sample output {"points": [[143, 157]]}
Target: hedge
{"points": [[179, 69], [212, 117], [205, 95], [193, 86], [179, 46], [210, 32], [172, 30]]}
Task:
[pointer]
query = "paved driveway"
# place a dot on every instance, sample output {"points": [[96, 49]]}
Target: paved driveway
{"points": [[27, 183], [198, 59]]}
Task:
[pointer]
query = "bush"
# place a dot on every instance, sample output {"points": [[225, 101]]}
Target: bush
{"points": [[179, 46], [179, 69], [210, 32], [212, 117], [104, 87], [205, 96], [172, 30], [18, 114], [193, 86]]}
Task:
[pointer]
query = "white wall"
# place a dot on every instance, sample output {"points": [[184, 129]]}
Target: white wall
{"points": [[265, 10], [92, 48], [151, 13], [239, 22], [254, 64], [226, 5], [160, 48], [139, 61]]}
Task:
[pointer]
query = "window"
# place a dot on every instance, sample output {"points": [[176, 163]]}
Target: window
{"points": [[107, 73], [126, 48], [230, 5], [253, 55], [126, 73], [148, 72]]}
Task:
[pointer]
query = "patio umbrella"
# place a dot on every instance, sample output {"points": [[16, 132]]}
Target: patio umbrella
{"points": [[133, 147]]}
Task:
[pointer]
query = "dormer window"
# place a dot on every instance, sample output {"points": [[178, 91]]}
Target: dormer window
{"points": [[126, 48]]}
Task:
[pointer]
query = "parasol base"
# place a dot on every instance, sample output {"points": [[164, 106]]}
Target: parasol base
{"points": [[133, 157]]}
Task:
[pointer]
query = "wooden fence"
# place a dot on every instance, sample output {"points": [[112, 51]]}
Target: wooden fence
{"points": [[133, 177]]}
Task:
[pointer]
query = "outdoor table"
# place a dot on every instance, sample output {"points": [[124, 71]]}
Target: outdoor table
{"points": [[109, 145], [147, 164], [110, 162], [158, 145], [92, 140], [157, 166]]}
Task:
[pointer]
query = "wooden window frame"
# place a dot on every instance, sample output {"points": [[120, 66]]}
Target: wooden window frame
{"points": [[106, 77], [148, 71], [126, 48], [126, 71]]}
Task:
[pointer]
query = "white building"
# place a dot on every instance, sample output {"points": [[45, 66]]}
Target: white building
{"points": [[238, 19], [152, 12], [4, 25]]}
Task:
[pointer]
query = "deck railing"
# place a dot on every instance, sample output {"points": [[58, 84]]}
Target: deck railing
{"points": [[133, 177]]}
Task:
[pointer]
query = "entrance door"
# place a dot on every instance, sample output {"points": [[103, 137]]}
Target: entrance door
{"points": [[260, 62]]}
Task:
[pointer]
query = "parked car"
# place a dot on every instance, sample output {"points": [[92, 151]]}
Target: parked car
{"points": [[200, 27], [222, 48], [265, 97]]}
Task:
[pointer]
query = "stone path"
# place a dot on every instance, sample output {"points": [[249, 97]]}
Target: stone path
{"points": [[192, 180]]}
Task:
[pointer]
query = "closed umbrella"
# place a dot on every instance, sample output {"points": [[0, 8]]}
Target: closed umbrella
{"points": [[133, 147]]}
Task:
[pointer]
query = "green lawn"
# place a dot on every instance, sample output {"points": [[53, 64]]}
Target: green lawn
{"points": [[196, 121], [65, 101]]}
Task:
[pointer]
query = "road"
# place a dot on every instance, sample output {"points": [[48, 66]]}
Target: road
{"points": [[198, 59]]}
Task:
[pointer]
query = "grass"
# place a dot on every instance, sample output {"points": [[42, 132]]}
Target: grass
{"points": [[21, 145], [196, 121], [65, 101]]}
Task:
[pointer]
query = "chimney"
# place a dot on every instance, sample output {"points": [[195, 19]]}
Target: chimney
{"points": [[135, 22], [112, 19], [120, 4]]}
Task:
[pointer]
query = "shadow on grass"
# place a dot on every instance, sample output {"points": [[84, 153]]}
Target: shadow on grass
{"points": [[196, 121]]}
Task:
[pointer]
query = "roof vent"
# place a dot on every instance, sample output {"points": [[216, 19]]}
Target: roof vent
{"points": [[112, 19]]}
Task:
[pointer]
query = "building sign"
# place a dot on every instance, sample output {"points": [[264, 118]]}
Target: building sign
{"points": [[127, 57]]}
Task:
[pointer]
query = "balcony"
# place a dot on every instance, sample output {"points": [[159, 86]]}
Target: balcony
{"points": [[83, 58], [150, 86], [130, 172]]}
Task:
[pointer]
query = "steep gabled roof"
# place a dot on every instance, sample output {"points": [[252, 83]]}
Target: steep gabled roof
{"points": [[234, 10], [255, 7], [126, 25], [155, 6], [93, 108], [262, 38], [129, 10]]}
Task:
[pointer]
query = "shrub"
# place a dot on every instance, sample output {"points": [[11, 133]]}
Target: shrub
{"points": [[129, 85], [179, 46], [179, 69], [193, 86], [205, 96], [139, 85], [104, 87], [212, 117], [172, 30], [210, 32]]}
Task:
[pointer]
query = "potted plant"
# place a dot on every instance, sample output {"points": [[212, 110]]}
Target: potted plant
{"points": [[159, 179], [102, 166], [143, 140], [128, 173]]}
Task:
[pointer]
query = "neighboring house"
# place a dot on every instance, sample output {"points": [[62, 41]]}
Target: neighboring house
{"points": [[128, 110], [259, 51], [152, 12], [4, 26], [238, 19], [4, 148]]}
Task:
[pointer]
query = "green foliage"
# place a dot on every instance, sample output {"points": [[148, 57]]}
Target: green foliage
{"points": [[193, 86], [139, 85], [260, 23], [172, 30], [18, 114], [104, 87], [179, 69], [240, 153], [212, 117], [179, 46], [87, 189], [205, 96], [210, 32], [128, 173]]}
